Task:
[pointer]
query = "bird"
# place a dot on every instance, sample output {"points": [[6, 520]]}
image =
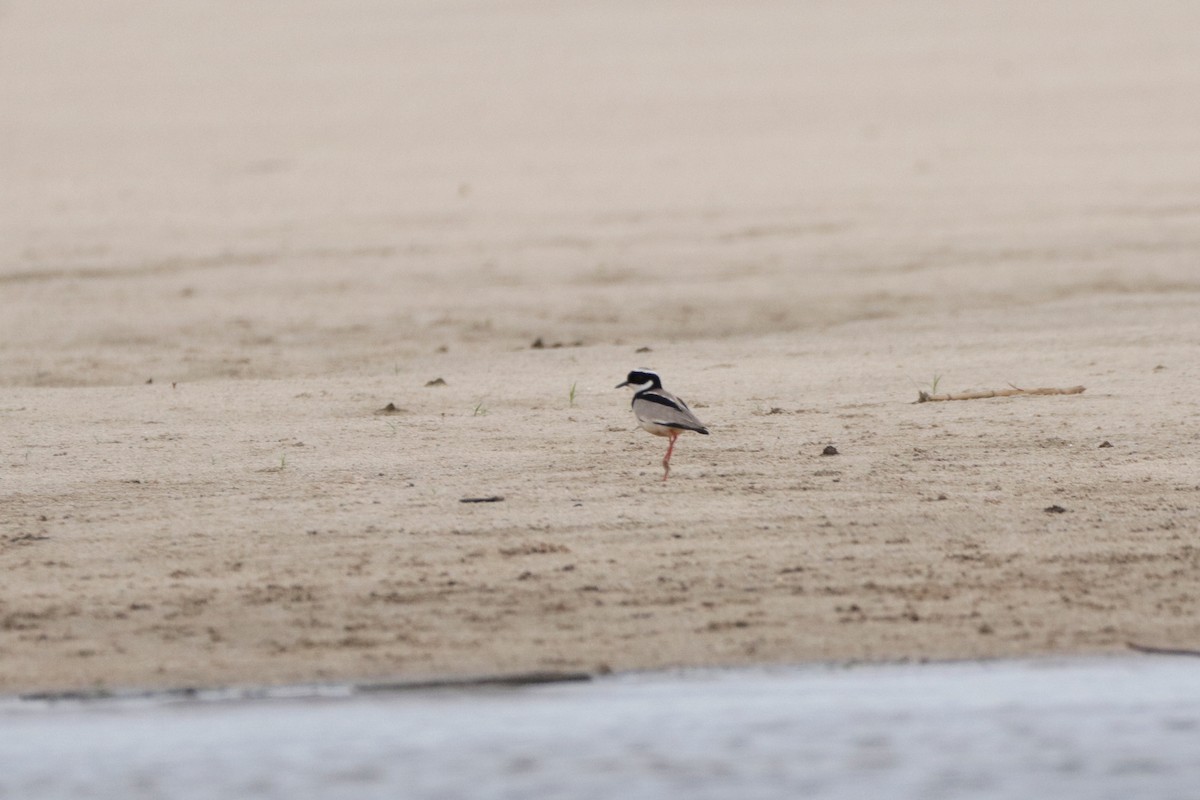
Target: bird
{"points": [[660, 412]]}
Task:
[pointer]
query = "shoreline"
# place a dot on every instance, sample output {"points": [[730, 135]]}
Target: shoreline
{"points": [[343, 690]]}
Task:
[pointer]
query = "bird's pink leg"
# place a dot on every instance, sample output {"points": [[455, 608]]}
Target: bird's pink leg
{"points": [[667, 457]]}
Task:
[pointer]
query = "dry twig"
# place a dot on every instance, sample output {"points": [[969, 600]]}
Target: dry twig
{"points": [[926, 397]]}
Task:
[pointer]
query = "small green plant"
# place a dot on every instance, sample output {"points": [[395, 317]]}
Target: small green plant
{"points": [[571, 394], [480, 409], [924, 395], [283, 462]]}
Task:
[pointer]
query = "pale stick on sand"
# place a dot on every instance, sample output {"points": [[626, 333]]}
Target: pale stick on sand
{"points": [[926, 397]]}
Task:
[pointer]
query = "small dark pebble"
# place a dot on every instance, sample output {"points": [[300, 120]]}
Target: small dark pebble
{"points": [[1055, 509], [830, 450], [493, 499], [540, 344], [435, 382], [1106, 443], [392, 408], [643, 350]]}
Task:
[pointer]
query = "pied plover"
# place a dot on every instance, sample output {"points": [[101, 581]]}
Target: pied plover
{"points": [[660, 412]]}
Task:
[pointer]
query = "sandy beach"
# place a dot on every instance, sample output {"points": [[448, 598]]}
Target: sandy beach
{"points": [[233, 236]]}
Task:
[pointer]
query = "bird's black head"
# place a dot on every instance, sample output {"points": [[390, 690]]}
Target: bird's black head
{"points": [[641, 380]]}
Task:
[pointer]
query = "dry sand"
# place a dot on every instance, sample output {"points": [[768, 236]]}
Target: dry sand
{"points": [[230, 235]]}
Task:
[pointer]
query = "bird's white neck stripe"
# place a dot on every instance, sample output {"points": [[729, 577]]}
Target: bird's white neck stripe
{"points": [[641, 387]]}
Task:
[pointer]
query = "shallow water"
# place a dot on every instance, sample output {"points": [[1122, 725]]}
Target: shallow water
{"points": [[1098, 728]]}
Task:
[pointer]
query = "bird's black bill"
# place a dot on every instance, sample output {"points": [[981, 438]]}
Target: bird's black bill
{"points": [[619, 385]]}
